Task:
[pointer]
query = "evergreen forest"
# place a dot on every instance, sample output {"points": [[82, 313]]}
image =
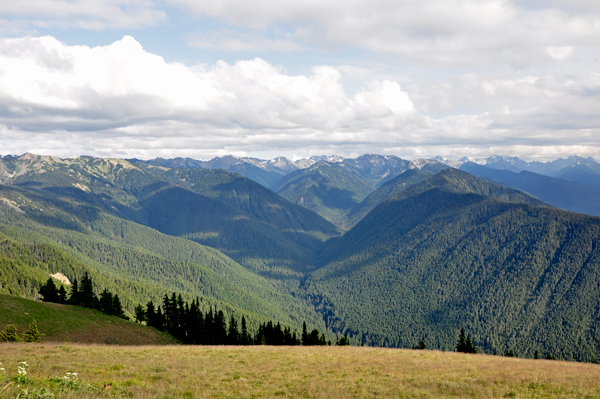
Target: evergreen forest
{"points": [[371, 251]]}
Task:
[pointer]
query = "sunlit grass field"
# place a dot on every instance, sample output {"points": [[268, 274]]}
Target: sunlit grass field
{"points": [[298, 372]]}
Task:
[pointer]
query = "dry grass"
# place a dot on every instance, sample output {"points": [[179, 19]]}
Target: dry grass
{"points": [[317, 372]]}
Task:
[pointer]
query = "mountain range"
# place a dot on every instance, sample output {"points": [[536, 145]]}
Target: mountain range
{"points": [[386, 250]]}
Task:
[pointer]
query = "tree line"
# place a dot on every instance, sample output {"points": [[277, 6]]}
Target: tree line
{"points": [[188, 323], [184, 321], [82, 294]]}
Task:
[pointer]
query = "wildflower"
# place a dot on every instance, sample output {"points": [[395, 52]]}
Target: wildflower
{"points": [[22, 369]]}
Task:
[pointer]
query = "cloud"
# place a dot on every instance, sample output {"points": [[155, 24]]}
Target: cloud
{"points": [[120, 100], [85, 14], [453, 33], [123, 95], [230, 40]]}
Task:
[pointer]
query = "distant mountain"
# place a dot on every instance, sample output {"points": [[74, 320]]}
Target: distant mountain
{"points": [[585, 171], [186, 163], [267, 173], [213, 207], [446, 161], [441, 255], [325, 188], [397, 184], [557, 168], [557, 192], [376, 169]]}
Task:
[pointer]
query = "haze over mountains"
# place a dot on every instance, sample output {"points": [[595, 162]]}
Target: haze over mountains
{"points": [[384, 249]]}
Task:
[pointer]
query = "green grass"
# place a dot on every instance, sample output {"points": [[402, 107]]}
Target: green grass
{"points": [[62, 323], [291, 372]]}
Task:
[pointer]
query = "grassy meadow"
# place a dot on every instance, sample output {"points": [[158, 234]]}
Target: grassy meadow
{"points": [[298, 372], [60, 323]]}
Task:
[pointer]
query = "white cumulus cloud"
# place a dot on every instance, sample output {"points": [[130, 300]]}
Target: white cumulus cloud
{"points": [[121, 98]]}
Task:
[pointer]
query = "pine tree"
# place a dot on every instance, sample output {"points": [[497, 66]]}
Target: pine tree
{"points": [[344, 341], [117, 308], [150, 314], [322, 340], [74, 297], [469, 347], [140, 315], [209, 328], [462, 344], [233, 336], [160, 320], [62, 295], [105, 303], [87, 298], [304, 334], [422, 344], [220, 329], [33, 333], [49, 291], [9, 334], [245, 337], [194, 324]]}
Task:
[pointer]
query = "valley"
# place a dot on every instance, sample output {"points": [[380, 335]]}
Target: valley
{"points": [[385, 250]]}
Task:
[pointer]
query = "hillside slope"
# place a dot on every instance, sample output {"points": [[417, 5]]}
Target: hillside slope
{"points": [[437, 257], [562, 193], [397, 184], [248, 222], [60, 323], [327, 189], [44, 234]]}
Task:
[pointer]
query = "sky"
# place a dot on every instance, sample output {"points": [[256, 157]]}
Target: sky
{"points": [[297, 78]]}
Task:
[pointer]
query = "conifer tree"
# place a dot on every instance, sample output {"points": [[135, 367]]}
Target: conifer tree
{"points": [[33, 333], [469, 347], [209, 328], [220, 329], [245, 337], [322, 340], [194, 324], [9, 334], [160, 320], [62, 295], [140, 315], [105, 303], [462, 341], [150, 314], [421, 345], [74, 297], [117, 308], [304, 334], [87, 298], [49, 291], [233, 336], [344, 341]]}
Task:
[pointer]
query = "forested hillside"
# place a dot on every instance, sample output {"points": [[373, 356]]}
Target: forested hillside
{"points": [[233, 214], [44, 234], [397, 184], [431, 250], [442, 255], [327, 189]]}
